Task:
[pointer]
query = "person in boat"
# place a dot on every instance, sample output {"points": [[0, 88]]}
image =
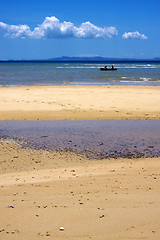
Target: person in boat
{"points": [[112, 67], [105, 67]]}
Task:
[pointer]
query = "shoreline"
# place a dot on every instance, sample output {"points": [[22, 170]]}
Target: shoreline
{"points": [[79, 102], [43, 191]]}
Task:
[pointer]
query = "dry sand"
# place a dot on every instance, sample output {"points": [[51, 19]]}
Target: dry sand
{"points": [[107, 199], [79, 102]]}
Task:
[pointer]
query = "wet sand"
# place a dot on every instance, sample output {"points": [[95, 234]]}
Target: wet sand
{"points": [[79, 102], [91, 138], [109, 199]]}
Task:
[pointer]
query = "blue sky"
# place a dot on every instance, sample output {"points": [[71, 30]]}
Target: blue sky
{"points": [[37, 29]]}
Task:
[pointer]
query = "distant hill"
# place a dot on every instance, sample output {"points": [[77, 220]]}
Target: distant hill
{"points": [[85, 59], [157, 59], [98, 59]]}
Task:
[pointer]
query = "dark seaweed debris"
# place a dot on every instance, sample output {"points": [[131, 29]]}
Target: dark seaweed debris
{"points": [[92, 139]]}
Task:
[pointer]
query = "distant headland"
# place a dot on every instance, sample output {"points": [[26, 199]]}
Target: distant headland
{"points": [[85, 59]]}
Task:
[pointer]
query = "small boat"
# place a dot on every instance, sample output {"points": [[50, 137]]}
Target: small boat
{"points": [[108, 69]]}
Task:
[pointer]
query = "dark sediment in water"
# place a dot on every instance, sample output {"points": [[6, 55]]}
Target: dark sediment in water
{"points": [[93, 139]]}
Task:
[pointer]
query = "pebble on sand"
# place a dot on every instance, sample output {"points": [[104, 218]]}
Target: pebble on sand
{"points": [[61, 229]]}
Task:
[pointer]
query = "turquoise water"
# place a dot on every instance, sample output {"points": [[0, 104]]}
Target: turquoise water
{"points": [[79, 73]]}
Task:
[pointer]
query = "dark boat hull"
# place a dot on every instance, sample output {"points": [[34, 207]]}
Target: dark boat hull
{"points": [[108, 69]]}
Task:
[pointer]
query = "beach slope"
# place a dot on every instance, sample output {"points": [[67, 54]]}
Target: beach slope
{"points": [[42, 191]]}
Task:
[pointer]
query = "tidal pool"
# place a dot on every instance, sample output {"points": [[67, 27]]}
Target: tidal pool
{"points": [[94, 139]]}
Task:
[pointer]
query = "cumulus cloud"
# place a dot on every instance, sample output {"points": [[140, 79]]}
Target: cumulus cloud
{"points": [[52, 28], [136, 34], [13, 31]]}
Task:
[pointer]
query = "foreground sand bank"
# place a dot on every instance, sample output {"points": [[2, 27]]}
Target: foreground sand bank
{"points": [[79, 102], [108, 199]]}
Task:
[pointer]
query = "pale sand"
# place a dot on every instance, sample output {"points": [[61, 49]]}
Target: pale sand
{"points": [[79, 102], [107, 199]]}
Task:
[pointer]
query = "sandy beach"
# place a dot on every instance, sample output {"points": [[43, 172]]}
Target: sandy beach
{"points": [[79, 102], [41, 192], [79, 120]]}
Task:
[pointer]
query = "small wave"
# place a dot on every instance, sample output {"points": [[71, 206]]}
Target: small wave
{"points": [[129, 78], [78, 67], [137, 80], [145, 79], [133, 66], [127, 81], [119, 66]]}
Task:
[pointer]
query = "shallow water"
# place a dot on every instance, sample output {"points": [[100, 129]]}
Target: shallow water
{"points": [[93, 139], [79, 73]]}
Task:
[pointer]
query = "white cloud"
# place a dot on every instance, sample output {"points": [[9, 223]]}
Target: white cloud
{"points": [[13, 31], [52, 28], [134, 35], [88, 30]]}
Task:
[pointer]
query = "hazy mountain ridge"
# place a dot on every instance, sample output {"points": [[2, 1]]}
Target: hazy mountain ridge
{"points": [[82, 59]]}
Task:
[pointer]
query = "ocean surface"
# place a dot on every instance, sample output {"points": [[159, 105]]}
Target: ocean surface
{"points": [[93, 139], [79, 73]]}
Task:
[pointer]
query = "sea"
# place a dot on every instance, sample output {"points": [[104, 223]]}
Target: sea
{"points": [[145, 73]]}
